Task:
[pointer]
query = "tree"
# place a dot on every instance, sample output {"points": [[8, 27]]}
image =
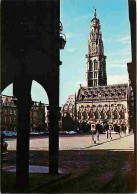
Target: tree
{"points": [[67, 123]]}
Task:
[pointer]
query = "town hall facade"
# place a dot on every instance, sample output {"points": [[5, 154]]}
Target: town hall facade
{"points": [[98, 101]]}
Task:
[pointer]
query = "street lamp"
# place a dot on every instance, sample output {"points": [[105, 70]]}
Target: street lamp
{"points": [[62, 41], [62, 38]]}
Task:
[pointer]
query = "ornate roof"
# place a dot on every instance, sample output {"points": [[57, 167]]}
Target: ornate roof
{"points": [[95, 20], [101, 93]]}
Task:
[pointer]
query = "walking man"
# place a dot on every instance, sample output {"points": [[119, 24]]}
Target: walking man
{"points": [[97, 134], [92, 131]]}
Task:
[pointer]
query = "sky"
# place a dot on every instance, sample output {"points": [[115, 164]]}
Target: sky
{"points": [[76, 18]]}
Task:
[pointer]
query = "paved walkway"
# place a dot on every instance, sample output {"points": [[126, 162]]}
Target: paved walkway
{"points": [[117, 143], [75, 142]]}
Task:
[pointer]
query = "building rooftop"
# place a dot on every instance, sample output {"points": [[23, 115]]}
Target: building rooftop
{"points": [[112, 92]]}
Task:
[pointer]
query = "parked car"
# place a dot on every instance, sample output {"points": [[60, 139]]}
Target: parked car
{"points": [[7, 133], [70, 132], [14, 133], [46, 132], [34, 133]]}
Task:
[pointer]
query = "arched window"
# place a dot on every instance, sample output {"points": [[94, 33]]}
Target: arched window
{"points": [[84, 114], [122, 115], [95, 82], [96, 115], [90, 83], [108, 115], [115, 115], [79, 115], [90, 114], [95, 65], [91, 74], [102, 115], [95, 75], [66, 107], [90, 66]]}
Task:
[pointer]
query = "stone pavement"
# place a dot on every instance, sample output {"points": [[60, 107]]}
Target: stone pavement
{"points": [[116, 143], [32, 169], [79, 147], [77, 142]]}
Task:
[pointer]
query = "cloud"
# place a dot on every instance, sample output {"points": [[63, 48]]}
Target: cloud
{"points": [[118, 65], [71, 50], [119, 61], [69, 35], [83, 17], [117, 79], [123, 54], [78, 82], [123, 40]]}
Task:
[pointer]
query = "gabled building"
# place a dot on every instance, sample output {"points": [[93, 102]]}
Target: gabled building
{"points": [[69, 107]]}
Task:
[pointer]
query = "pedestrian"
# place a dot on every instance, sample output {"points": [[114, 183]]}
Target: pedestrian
{"points": [[97, 134], [92, 135], [107, 134], [119, 131], [92, 132], [110, 128]]}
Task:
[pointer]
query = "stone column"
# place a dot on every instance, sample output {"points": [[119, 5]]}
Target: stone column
{"points": [[53, 135], [21, 90], [132, 74]]}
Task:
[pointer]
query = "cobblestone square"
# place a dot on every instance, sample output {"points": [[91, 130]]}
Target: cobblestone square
{"points": [[77, 142]]}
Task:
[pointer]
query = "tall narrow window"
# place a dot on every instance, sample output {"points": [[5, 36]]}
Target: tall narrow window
{"points": [[90, 66], [95, 83], [96, 115], [95, 65], [95, 75], [90, 74], [115, 115]]}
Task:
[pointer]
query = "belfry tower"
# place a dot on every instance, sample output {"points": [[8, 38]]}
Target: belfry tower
{"points": [[96, 60]]}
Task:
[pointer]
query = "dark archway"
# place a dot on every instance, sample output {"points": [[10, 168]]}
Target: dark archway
{"points": [[31, 52]]}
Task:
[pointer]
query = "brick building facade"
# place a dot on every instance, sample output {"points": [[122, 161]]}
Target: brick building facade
{"points": [[9, 115]]}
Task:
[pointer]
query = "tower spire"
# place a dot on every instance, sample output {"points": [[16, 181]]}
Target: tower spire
{"points": [[95, 14], [96, 60]]}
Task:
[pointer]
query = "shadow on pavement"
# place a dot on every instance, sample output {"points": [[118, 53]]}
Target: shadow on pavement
{"points": [[91, 171]]}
